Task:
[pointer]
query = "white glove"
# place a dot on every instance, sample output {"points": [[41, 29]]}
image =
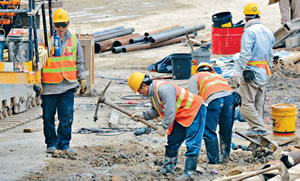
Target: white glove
{"points": [[234, 80], [136, 116], [162, 131]]}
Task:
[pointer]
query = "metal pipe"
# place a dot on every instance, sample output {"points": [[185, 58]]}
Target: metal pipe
{"points": [[50, 18], [166, 36], [30, 33], [14, 11], [147, 38], [160, 30], [136, 40], [117, 49], [103, 46], [291, 159], [114, 35], [124, 40], [38, 7], [35, 38], [108, 30], [45, 27], [133, 47]]}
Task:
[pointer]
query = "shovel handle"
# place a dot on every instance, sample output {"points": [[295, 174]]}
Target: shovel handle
{"points": [[248, 138]]}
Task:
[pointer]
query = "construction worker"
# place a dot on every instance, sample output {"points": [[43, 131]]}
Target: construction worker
{"points": [[254, 65], [60, 77], [218, 95], [183, 117], [289, 9]]}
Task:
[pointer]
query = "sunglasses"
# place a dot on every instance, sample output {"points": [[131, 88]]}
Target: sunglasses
{"points": [[63, 25]]}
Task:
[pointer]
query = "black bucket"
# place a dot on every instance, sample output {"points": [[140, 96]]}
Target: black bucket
{"points": [[222, 20], [181, 65]]}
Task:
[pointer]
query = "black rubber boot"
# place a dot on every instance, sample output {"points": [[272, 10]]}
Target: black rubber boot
{"points": [[170, 161], [189, 168]]}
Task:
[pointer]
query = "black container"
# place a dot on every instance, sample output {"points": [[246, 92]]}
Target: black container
{"points": [[222, 20], [181, 65]]}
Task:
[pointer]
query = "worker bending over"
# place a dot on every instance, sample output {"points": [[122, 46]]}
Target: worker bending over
{"points": [[183, 117], [217, 94], [255, 61]]}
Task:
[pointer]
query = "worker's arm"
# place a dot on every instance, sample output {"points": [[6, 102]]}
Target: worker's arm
{"points": [[247, 43], [80, 62], [150, 114], [270, 61], [167, 94], [193, 85]]}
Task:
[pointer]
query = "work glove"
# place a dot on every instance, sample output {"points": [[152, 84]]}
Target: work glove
{"points": [[161, 131], [137, 116], [38, 89], [83, 87], [234, 80], [248, 76]]}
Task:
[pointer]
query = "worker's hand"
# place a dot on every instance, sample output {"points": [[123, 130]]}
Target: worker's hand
{"points": [[137, 116], [38, 89], [162, 131], [234, 80], [83, 87]]}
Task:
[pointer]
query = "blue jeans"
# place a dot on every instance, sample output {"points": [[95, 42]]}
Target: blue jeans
{"points": [[192, 135], [220, 111], [63, 104]]}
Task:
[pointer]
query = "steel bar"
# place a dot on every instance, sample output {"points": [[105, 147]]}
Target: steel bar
{"points": [[166, 36], [134, 47], [36, 45], [160, 30], [14, 11], [114, 35], [38, 7], [124, 40], [107, 30]]}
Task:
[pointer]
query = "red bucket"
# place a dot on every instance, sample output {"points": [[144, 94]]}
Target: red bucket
{"points": [[226, 40]]}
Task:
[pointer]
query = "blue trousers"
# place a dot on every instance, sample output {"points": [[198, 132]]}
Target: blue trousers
{"points": [[63, 104], [220, 111], [192, 136]]}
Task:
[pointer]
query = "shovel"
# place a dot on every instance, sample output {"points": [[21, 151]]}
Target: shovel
{"points": [[258, 141]]}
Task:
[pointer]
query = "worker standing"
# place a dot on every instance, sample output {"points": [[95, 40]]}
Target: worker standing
{"points": [[60, 77], [254, 63], [183, 117], [218, 95], [289, 9]]}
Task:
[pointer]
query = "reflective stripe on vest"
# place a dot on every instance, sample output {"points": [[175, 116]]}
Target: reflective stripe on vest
{"points": [[261, 64], [209, 83], [187, 105], [63, 67]]}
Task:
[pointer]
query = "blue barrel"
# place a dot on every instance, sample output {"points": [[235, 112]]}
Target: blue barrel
{"points": [[181, 65], [222, 20]]}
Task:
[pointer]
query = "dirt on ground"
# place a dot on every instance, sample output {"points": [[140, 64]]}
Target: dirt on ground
{"points": [[107, 152]]}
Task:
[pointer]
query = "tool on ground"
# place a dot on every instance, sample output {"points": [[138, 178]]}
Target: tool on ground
{"points": [[258, 141], [283, 172], [104, 101]]}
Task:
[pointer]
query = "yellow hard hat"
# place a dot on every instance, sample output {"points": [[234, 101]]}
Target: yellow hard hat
{"points": [[251, 9], [205, 67], [135, 80], [60, 15]]}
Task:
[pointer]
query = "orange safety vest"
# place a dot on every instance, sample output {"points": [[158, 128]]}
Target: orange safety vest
{"points": [[261, 64], [63, 67], [187, 105], [210, 83]]}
